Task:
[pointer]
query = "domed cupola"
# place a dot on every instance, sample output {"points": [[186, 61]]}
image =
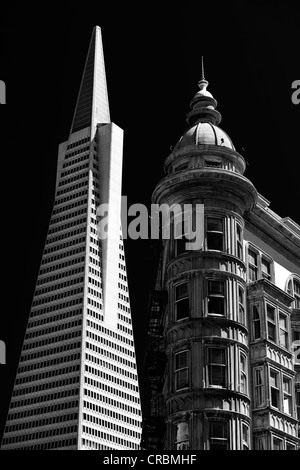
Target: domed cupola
{"points": [[204, 133], [204, 144], [203, 119]]}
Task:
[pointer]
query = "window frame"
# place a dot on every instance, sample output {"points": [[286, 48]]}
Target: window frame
{"points": [[278, 313], [255, 322], [284, 329], [183, 299], [281, 392], [287, 395], [243, 372], [216, 232], [291, 290], [259, 388], [210, 366], [210, 294], [179, 370], [239, 241], [218, 440], [290, 444], [241, 305], [281, 441], [275, 387], [245, 444], [260, 256], [252, 266], [271, 323], [185, 222]]}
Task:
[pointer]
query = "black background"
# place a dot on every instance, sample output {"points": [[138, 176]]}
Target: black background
{"points": [[153, 62]]}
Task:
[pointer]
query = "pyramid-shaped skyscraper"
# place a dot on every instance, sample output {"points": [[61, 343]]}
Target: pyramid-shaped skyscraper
{"points": [[76, 385]]}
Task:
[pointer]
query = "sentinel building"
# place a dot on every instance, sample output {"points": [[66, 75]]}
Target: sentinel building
{"points": [[223, 363], [76, 385]]}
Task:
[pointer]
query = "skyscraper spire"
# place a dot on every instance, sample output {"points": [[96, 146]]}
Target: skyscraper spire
{"points": [[76, 386], [92, 104]]}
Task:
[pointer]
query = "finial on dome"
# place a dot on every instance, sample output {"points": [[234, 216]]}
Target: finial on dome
{"points": [[202, 69], [202, 84], [203, 105]]}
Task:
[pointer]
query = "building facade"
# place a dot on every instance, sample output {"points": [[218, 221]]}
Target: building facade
{"points": [[223, 357], [76, 385]]}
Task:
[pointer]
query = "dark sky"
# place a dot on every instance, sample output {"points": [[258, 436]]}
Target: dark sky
{"points": [[153, 64]]}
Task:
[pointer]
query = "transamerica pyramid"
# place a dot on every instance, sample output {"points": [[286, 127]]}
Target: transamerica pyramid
{"points": [[76, 386]]}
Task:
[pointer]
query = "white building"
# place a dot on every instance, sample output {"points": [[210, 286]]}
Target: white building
{"points": [[76, 385]]}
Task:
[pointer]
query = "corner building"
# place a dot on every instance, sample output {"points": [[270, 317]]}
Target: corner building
{"points": [[223, 351], [76, 386]]}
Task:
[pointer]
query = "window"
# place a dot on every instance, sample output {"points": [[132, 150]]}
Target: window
{"points": [[253, 265], [182, 436], [242, 318], [256, 322], [218, 435], [216, 367], [214, 233], [290, 446], [245, 437], [181, 230], [260, 266], [274, 388], [277, 443], [181, 167], [298, 403], [283, 333], [243, 373], [181, 370], [271, 323], [293, 288], [287, 395], [265, 268], [277, 326], [260, 442], [182, 306], [216, 297], [258, 387], [239, 241], [212, 163]]}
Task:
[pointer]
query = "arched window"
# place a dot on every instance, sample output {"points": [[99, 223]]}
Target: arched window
{"points": [[293, 288]]}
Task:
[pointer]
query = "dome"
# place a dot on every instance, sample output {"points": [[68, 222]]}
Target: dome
{"points": [[204, 133]]}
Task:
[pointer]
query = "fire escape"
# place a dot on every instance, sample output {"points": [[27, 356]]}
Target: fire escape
{"points": [[154, 370]]}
